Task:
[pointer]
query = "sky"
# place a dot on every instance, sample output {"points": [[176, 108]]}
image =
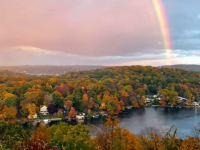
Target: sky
{"points": [[98, 32]]}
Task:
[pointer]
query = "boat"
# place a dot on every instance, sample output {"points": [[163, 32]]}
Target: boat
{"points": [[95, 116], [129, 107]]}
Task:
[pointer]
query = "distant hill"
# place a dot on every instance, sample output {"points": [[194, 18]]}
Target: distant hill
{"points": [[48, 70], [185, 67]]}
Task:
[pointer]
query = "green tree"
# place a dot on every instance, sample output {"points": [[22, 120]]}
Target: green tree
{"points": [[69, 137], [58, 99]]}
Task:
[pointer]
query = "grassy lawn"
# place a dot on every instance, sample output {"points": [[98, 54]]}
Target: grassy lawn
{"points": [[46, 116]]}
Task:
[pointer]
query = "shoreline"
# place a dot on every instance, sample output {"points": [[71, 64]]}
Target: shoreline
{"points": [[161, 106]]}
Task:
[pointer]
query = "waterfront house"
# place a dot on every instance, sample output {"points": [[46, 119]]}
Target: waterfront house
{"points": [[147, 101], [195, 104], [34, 116], [43, 110], [155, 96], [182, 99], [80, 117]]}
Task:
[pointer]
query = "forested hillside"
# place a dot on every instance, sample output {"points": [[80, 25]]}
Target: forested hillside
{"points": [[90, 91], [110, 90], [185, 67], [49, 70]]}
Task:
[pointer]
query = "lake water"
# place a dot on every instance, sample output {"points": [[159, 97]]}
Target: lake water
{"points": [[163, 118]]}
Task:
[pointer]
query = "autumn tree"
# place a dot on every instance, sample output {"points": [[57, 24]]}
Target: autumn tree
{"points": [[31, 109], [9, 113], [8, 99], [48, 98], [72, 113], [170, 97], [42, 133], [71, 137], [60, 114], [68, 104], [12, 135]]}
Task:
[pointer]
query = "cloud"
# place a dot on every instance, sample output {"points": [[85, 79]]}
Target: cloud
{"points": [[110, 32], [41, 51], [87, 28], [161, 62]]}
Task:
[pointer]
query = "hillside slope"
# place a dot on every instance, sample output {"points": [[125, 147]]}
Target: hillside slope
{"points": [[185, 67], [48, 70]]}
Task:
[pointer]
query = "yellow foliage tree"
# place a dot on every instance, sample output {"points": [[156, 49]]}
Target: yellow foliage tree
{"points": [[68, 105], [31, 109], [85, 98], [9, 113]]}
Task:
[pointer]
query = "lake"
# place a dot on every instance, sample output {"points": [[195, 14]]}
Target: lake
{"points": [[163, 118]]}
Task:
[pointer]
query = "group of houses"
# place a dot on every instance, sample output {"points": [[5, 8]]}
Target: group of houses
{"points": [[44, 111], [150, 99]]}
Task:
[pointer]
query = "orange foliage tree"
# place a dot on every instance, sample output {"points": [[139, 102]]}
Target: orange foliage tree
{"points": [[72, 113]]}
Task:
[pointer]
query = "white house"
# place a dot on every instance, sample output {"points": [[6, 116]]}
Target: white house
{"points": [[34, 116], [195, 104], [43, 110], [80, 117], [147, 100], [182, 99]]}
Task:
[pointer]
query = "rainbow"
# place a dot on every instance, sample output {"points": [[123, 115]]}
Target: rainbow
{"points": [[162, 19]]}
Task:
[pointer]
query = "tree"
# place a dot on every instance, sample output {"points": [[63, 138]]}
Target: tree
{"points": [[112, 137], [8, 99], [85, 98], [31, 109], [89, 112], [68, 104], [151, 138], [170, 97], [10, 102], [58, 99], [72, 113], [191, 143], [35, 96], [42, 133], [9, 112], [71, 137], [51, 108], [48, 98], [60, 114], [36, 144], [188, 103], [12, 135]]}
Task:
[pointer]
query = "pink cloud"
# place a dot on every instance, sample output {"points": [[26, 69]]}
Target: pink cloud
{"points": [[81, 27]]}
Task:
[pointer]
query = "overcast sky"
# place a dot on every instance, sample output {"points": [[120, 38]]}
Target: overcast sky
{"points": [[97, 32]]}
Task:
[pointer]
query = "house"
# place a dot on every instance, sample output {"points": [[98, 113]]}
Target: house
{"points": [[34, 116], [155, 96], [147, 101], [195, 104], [43, 110], [182, 98], [80, 117]]}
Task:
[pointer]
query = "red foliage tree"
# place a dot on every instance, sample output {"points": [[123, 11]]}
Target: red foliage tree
{"points": [[36, 144]]}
